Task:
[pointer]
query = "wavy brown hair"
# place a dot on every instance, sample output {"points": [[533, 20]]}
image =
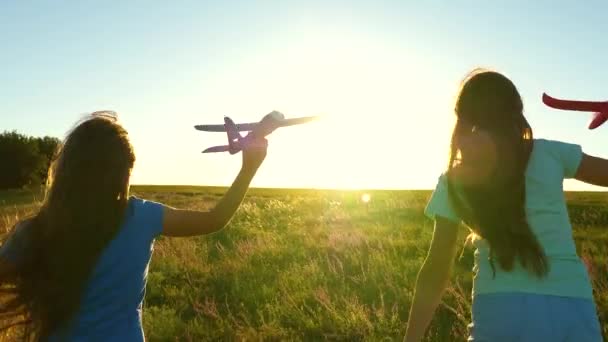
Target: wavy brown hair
{"points": [[494, 206], [84, 206]]}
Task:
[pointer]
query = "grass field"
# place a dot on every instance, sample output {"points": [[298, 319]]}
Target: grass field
{"points": [[314, 265]]}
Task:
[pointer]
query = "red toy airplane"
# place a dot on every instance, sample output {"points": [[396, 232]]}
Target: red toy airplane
{"points": [[600, 108]]}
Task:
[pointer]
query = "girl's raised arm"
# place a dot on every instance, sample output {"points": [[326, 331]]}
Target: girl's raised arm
{"points": [[178, 222]]}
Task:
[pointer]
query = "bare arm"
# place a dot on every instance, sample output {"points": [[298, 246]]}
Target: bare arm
{"points": [[432, 278], [593, 170], [178, 222]]}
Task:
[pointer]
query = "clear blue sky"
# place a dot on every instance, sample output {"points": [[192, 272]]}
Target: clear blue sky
{"points": [[383, 74]]}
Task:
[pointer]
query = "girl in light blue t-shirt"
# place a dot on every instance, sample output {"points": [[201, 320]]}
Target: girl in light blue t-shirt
{"points": [[506, 186]]}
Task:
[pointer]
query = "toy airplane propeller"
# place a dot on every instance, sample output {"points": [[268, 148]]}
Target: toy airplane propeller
{"points": [[600, 109], [236, 142]]}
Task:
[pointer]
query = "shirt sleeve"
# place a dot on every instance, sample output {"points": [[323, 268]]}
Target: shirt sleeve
{"points": [[440, 204], [570, 156], [12, 249], [149, 216]]}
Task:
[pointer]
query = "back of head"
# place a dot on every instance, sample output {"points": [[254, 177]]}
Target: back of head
{"points": [[92, 167], [491, 145], [84, 206]]}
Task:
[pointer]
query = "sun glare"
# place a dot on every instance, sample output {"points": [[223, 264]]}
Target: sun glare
{"points": [[378, 119], [365, 198]]}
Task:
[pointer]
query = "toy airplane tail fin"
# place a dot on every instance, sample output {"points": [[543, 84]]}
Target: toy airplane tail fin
{"points": [[598, 119], [233, 134]]}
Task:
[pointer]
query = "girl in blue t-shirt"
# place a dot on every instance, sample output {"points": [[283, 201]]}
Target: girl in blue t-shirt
{"points": [[76, 270], [529, 283]]}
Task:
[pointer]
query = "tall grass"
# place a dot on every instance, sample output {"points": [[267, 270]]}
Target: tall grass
{"points": [[316, 265]]}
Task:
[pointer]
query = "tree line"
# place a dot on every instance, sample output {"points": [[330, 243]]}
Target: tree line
{"points": [[25, 160]]}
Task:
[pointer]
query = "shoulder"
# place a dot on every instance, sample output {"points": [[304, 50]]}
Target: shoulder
{"points": [[544, 145], [554, 148], [567, 156], [137, 205], [15, 241], [23, 224], [439, 204], [20, 228], [146, 213], [442, 182], [145, 210], [553, 145]]}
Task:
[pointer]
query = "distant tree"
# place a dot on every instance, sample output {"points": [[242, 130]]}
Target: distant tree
{"points": [[24, 160], [47, 146]]}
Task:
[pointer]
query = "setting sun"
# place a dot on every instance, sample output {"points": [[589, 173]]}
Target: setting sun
{"points": [[192, 214], [371, 130]]}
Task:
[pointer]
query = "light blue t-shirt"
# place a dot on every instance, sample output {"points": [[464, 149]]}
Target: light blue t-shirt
{"points": [[111, 305], [550, 163]]}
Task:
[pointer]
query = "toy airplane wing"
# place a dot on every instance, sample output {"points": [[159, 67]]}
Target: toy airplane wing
{"points": [[236, 142], [247, 127], [600, 109], [213, 149]]}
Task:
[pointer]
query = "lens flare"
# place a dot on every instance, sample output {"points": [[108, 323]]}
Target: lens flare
{"points": [[366, 198]]}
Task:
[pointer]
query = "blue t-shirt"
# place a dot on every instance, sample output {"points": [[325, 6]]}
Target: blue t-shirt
{"points": [[111, 305], [550, 163]]}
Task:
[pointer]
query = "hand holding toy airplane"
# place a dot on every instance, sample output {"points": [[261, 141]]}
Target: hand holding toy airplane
{"points": [[600, 108], [236, 142]]}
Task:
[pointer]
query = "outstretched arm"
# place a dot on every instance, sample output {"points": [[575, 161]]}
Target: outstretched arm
{"points": [[178, 222], [593, 170], [432, 278]]}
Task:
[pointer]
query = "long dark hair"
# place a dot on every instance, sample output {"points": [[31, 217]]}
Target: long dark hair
{"points": [[494, 206], [84, 206]]}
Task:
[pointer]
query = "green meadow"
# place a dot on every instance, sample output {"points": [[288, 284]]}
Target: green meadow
{"points": [[313, 265]]}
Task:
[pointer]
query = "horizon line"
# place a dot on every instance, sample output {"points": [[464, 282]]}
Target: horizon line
{"points": [[314, 188]]}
